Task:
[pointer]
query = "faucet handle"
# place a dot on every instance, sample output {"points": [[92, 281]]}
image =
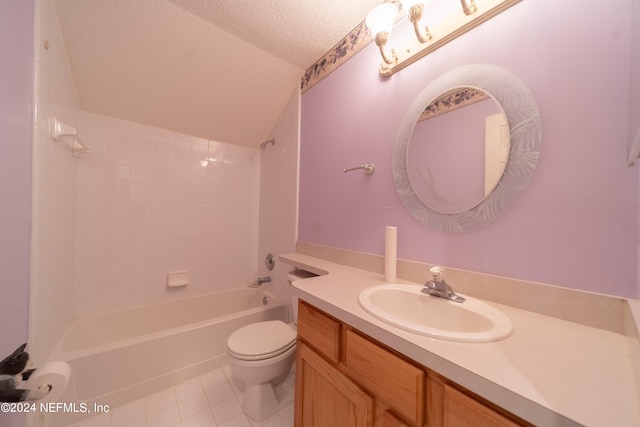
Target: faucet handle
{"points": [[437, 274]]}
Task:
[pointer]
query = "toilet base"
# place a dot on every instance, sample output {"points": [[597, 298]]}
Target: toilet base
{"points": [[260, 401], [260, 375]]}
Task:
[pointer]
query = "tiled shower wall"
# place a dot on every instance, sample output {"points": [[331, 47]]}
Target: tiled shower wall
{"points": [[151, 202], [54, 188]]}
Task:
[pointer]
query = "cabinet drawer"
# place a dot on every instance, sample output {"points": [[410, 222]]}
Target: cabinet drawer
{"points": [[387, 376], [320, 331], [461, 410]]}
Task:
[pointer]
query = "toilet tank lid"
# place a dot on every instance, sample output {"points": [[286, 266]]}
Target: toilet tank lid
{"points": [[261, 338]]}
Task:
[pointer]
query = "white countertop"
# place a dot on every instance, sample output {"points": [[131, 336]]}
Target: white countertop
{"points": [[550, 372]]}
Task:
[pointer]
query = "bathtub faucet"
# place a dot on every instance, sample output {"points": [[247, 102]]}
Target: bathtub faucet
{"points": [[261, 280]]}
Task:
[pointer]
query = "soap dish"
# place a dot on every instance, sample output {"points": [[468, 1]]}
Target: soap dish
{"points": [[178, 278]]}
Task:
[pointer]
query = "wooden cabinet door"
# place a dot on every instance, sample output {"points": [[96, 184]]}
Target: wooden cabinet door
{"points": [[390, 420], [325, 397], [461, 410]]}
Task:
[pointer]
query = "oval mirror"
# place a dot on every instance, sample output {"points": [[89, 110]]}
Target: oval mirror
{"points": [[458, 150], [439, 186]]}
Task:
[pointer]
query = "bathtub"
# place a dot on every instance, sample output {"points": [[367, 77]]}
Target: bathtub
{"points": [[119, 357]]}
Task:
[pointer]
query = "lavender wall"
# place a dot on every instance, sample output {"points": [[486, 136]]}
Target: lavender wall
{"points": [[16, 48], [576, 223], [634, 101]]}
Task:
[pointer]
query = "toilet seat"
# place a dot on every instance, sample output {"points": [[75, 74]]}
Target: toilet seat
{"points": [[262, 340]]}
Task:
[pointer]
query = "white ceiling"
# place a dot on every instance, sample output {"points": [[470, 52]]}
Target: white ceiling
{"points": [[217, 69]]}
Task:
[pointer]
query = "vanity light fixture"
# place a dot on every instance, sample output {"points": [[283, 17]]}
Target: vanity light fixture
{"points": [[380, 21], [448, 21], [415, 10]]}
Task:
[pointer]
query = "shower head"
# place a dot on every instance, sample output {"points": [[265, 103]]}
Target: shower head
{"points": [[264, 144]]}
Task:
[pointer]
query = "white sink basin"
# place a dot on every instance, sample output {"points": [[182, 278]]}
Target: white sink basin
{"points": [[405, 307]]}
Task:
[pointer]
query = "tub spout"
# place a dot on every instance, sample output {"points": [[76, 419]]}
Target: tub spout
{"points": [[261, 280], [265, 279]]}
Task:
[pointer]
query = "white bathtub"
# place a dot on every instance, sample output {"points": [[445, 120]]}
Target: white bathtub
{"points": [[119, 357]]}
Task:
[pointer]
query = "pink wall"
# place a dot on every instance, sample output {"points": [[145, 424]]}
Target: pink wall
{"points": [[576, 223], [16, 48]]}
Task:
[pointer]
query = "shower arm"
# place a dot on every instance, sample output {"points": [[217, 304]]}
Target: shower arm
{"points": [[270, 141]]}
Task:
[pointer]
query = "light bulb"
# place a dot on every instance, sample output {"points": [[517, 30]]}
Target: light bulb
{"points": [[380, 18]]}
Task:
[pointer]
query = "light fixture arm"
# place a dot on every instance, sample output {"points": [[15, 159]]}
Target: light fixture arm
{"points": [[415, 15], [468, 8], [381, 41]]}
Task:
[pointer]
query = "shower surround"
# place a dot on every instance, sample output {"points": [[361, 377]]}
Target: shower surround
{"points": [[148, 202], [109, 225]]}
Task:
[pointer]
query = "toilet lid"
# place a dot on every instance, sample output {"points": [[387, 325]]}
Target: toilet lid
{"points": [[261, 340]]}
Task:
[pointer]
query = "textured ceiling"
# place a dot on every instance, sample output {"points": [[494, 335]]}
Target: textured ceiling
{"points": [[218, 69]]}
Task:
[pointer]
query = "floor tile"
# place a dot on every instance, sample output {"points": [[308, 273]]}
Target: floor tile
{"points": [[193, 405], [211, 400], [201, 419], [226, 409], [188, 389], [287, 415], [161, 400], [142, 422], [213, 379], [219, 393], [123, 416], [239, 420], [103, 420], [164, 417]]}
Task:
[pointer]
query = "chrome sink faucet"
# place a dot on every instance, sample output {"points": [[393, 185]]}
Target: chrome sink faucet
{"points": [[438, 287]]}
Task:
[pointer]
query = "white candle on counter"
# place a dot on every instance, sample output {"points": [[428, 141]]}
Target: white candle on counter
{"points": [[390, 253]]}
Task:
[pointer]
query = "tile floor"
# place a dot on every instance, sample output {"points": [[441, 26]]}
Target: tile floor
{"points": [[211, 400]]}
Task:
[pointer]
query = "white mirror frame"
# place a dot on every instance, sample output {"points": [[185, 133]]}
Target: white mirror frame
{"points": [[526, 137]]}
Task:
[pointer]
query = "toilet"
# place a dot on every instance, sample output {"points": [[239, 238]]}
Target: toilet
{"points": [[261, 355]]}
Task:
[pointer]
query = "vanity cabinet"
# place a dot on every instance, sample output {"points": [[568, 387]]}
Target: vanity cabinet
{"points": [[345, 378], [390, 378], [326, 397]]}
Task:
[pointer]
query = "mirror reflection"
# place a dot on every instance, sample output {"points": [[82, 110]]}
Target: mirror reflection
{"points": [[429, 201], [458, 150]]}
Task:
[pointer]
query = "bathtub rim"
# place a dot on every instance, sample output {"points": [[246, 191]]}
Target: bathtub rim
{"points": [[156, 380], [57, 353]]}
